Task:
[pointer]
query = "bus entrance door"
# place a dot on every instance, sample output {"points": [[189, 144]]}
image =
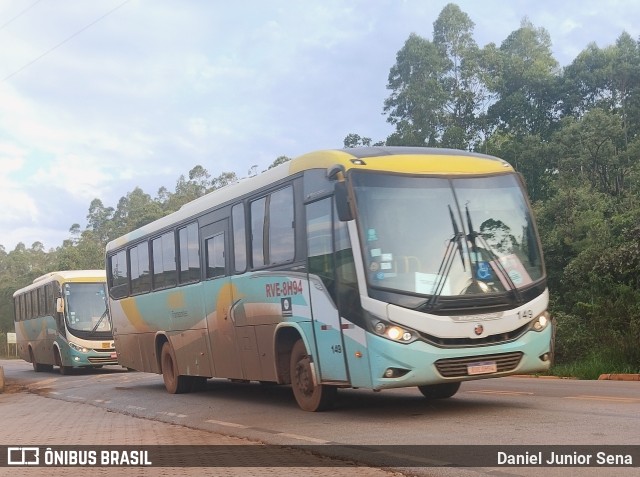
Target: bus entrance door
{"points": [[327, 327], [219, 302], [328, 334]]}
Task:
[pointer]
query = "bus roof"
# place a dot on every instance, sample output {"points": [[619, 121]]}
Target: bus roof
{"points": [[65, 276], [417, 160], [424, 160]]}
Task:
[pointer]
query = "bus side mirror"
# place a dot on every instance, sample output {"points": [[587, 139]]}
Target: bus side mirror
{"points": [[342, 202], [60, 305]]}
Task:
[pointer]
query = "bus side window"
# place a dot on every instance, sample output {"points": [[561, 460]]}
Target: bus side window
{"points": [[320, 243], [215, 256], [118, 274], [17, 315], [258, 232], [189, 246], [239, 238], [164, 261], [281, 231], [139, 263], [23, 308], [42, 302]]}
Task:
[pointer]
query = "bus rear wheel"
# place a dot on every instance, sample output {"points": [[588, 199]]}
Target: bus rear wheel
{"points": [[439, 391], [38, 367], [173, 382], [310, 397]]}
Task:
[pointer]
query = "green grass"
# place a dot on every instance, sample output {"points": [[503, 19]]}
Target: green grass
{"points": [[597, 363]]}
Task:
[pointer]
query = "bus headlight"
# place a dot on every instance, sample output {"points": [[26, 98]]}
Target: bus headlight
{"points": [[394, 332], [79, 348], [541, 322]]}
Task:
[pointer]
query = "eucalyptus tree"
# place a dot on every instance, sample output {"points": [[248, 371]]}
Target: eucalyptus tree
{"points": [[526, 83], [606, 78], [462, 80], [417, 96], [437, 92], [135, 210]]}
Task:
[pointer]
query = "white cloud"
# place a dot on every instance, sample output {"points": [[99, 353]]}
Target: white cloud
{"points": [[153, 89]]}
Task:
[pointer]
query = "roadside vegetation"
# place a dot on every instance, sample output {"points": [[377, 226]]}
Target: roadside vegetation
{"points": [[572, 131]]}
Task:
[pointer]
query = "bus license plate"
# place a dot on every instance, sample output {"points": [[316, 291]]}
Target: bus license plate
{"points": [[484, 367], [106, 345]]}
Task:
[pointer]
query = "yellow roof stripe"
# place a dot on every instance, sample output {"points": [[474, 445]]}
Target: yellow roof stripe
{"points": [[403, 163]]}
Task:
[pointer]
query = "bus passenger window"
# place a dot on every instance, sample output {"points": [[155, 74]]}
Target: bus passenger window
{"points": [[215, 256], [139, 263], [189, 253], [118, 275], [239, 238], [164, 261], [281, 233], [320, 259], [257, 232]]}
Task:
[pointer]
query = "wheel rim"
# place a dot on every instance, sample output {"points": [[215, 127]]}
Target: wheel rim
{"points": [[304, 381]]}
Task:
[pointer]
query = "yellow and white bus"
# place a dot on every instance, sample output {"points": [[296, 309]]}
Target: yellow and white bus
{"points": [[62, 319], [359, 268]]}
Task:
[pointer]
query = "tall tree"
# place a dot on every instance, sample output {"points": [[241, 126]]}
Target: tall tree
{"points": [[99, 221], [135, 210], [526, 83], [417, 96], [453, 36], [437, 88]]}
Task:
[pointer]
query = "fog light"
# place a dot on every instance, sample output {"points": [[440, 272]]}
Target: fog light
{"points": [[75, 358], [395, 372], [545, 357]]}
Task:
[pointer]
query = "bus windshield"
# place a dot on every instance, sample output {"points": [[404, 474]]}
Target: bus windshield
{"points": [[439, 236], [86, 307]]}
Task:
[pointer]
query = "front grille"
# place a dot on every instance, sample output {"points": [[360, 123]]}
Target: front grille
{"points": [[103, 360], [104, 350], [467, 342], [457, 367]]}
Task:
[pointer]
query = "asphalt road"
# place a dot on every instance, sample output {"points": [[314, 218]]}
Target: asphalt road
{"points": [[494, 412]]}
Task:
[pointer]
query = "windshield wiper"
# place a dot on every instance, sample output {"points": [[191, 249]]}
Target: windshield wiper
{"points": [[446, 263], [459, 235], [106, 312]]}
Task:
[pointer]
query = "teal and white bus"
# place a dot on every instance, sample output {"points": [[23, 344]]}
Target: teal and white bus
{"points": [[359, 268], [62, 319]]}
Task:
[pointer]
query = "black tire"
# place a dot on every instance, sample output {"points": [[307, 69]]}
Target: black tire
{"points": [[439, 391], [37, 367], [173, 382], [309, 396], [64, 370]]}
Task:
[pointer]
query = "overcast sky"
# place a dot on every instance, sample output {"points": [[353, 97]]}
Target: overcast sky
{"points": [[98, 97]]}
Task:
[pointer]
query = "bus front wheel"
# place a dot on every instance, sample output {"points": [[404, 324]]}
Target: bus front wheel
{"points": [[175, 383], [439, 391], [310, 397], [64, 370]]}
